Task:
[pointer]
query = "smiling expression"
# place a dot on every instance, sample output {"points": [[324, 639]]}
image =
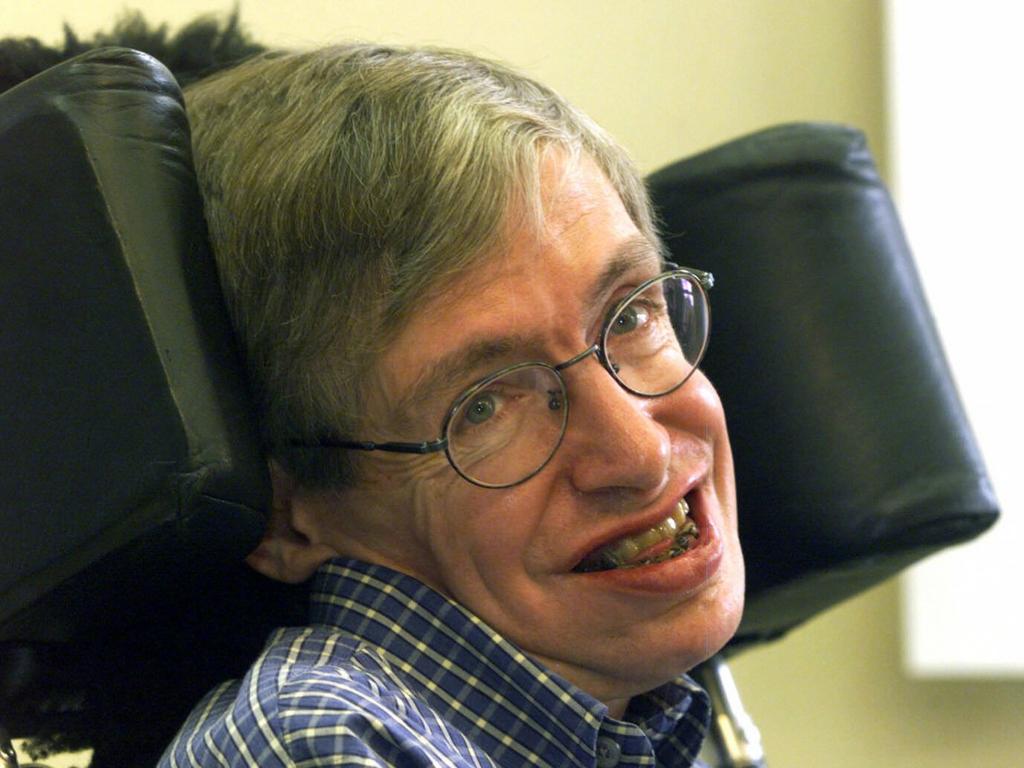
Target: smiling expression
{"points": [[513, 556]]}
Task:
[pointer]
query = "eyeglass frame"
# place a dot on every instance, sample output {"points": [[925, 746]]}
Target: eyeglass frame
{"points": [[705, 280]]}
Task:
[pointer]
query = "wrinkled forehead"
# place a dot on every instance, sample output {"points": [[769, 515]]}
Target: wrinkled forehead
{"points": [[574, 213]]}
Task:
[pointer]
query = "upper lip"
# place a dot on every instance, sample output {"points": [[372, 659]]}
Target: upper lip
{"points": [[635, 525]]}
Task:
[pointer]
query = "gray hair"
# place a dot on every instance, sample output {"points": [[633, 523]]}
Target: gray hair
{"points": [[343, 188]]}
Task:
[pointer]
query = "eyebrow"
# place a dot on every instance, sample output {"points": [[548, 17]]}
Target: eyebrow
{"points": [[635, 253], [454, 368]]}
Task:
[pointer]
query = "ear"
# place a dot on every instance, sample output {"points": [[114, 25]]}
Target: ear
{"points": [[286, 553]]}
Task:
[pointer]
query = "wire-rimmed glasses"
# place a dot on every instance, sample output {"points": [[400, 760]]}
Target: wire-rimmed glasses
{"points": [[505, 428]]}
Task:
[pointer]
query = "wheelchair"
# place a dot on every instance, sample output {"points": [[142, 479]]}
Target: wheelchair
{"points": [[133, 484]]}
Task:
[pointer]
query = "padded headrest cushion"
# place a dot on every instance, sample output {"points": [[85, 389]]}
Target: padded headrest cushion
{"points": [[130, 455], [853, 454]]}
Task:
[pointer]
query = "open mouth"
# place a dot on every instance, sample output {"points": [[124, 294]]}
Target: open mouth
{"points": [[670, 538]]}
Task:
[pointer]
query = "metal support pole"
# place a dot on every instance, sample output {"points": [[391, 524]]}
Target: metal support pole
{"points": [[7, 757], [735, 740]]}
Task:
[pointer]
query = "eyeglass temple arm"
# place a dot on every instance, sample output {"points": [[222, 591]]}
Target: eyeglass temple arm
{"points": [[367, 445], [706, 278]]}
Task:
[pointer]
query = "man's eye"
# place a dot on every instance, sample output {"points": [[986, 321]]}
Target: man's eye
{"points": [[480, 409], [629, 319]]}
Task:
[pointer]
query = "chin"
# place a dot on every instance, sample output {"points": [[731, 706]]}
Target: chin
{"points": [[721, 631], [691, 639], [718, 617]]}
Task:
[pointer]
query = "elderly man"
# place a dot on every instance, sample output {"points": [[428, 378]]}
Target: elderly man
{"points": [[490, 443]]}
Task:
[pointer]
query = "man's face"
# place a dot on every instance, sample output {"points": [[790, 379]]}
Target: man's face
{"points": [[511, 555]]}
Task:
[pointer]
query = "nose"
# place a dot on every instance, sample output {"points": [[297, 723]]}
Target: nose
{"points": [[613, 442]]}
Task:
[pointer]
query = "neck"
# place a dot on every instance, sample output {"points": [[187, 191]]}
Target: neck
{"points": [[617, 707]]}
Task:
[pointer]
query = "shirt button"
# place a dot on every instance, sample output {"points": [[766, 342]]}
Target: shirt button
{"points": [[608, 752]]}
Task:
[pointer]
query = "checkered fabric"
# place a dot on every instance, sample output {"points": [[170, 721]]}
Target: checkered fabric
{"points": [[391, 673]]}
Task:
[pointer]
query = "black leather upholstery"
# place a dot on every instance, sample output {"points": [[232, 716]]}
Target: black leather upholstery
{"points": [[129, 456], [853, 454], [132, 485]]}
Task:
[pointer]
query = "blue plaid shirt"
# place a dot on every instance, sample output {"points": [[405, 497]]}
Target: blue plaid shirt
{"points": [[391, 673]]}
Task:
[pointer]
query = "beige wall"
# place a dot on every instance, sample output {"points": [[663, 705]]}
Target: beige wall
{"points": [[670, 78], [667, 77], [833, 694]]}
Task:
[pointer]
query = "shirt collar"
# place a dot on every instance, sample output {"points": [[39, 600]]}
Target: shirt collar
{"points": [[486, 686]]}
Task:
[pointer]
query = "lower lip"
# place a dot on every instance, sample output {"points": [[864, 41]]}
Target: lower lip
{"points": [[685, 573]]}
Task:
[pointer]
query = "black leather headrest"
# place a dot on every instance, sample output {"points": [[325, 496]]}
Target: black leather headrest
{"points": [[129, 453], [853, 454]]}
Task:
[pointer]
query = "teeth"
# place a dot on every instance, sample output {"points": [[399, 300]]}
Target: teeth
{"points": [[621, 554], [625, 550]]}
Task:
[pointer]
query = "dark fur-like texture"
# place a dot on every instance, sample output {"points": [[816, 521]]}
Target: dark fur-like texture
{"points": [[199, 48]]}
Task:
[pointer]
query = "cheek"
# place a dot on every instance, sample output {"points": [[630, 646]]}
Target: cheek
{"points": [[696, 411], [415, 494], [483, 537], [717, 433], [703, 406], [432, 487], [453, 521]]}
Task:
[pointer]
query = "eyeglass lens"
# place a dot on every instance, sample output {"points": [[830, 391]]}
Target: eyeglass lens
{"points": [[655, 341], [507, 427]]}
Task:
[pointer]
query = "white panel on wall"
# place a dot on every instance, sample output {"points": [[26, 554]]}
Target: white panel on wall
{"points": [[956, 92]]}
